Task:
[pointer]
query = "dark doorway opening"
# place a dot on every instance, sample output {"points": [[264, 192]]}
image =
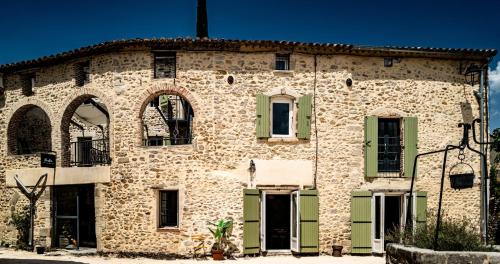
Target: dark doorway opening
{"points": [[74, 215], [277, 221], [392, 216]]}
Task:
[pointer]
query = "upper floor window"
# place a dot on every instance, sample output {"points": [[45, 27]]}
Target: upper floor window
{"points": [[281, 117], [282, 62], [390, 146], [155, 141], [28, 82], [167, 121], [164, 64], [82, 73], [169, 209]]}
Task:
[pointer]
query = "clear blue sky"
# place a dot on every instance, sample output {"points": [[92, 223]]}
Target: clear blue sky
{"points": [[31, 29]]}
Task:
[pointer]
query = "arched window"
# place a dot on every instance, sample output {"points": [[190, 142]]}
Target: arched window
{"points": [[167, 120], [85, 132], [29, 131]]}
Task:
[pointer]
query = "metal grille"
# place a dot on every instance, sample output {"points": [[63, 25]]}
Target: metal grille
{"points": [[177, 116], [88, 152], [165, 65], [389, 148], [282, 62]]}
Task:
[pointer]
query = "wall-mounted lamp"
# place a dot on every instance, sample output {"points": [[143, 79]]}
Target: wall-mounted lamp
{"points": [[348, 82], [472, 73], [252, 167]]}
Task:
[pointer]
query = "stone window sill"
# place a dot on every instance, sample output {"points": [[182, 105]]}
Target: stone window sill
{"points": [[283, 139], [173, 229], [283, 73]]}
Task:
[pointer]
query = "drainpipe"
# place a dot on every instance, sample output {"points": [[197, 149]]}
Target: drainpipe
{"points": [[315, 124], [484, 182]]}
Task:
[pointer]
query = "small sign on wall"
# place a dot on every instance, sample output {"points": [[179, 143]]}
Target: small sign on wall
{"points": [[48, 160]]}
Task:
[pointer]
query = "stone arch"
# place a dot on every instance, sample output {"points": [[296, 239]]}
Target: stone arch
{"points": [[67, 112], [23, 139], [159, 89], [387, 112]]}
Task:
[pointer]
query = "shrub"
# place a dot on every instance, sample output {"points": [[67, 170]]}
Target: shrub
{"points": [[21, 220], [454, 235]]}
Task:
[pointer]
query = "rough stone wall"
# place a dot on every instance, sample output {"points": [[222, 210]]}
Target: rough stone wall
{"points": [[208, 173]]}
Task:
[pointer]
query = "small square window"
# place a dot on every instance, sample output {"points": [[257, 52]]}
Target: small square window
{"points": [[169, 208], [281, 117], [82, 73], [28, 82], [155, 141], [282, 62], [164, 64]]}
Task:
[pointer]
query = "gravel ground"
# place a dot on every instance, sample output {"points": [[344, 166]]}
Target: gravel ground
{"points": [[9, 256]]}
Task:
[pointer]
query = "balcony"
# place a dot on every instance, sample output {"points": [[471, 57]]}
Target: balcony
{"points": [[88, 153]]}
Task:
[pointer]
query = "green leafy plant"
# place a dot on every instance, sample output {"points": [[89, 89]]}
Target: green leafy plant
{"points": [[221, 231], [21, 220], [495, 139], [455, 235]]}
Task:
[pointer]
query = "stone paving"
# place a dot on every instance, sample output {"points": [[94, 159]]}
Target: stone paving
{"points": [[10, 256]]}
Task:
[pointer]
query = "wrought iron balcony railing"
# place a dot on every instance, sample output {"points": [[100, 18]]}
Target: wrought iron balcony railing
{"points": [[85, 153]]}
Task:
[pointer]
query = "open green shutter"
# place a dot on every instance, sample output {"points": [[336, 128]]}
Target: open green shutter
{"points": [[309, 221], [263, 121], [371, 146], [421, 216], [361, 222], [410, 144], [163, 101], [251, 221], [304, 117]]}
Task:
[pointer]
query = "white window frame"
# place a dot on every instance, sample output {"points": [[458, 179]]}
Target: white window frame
{"points": [[290, 102]]}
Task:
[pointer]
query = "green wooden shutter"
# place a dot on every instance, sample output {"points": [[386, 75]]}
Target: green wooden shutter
{"points": [[251, 224], [371, 146], [263, 120], [309, 221], [361, 222], [421, 202], [410, 144], [304, 117], [163, 101]]}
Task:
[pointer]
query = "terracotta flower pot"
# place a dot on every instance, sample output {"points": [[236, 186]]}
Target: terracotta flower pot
{"points": [[218, 254]]}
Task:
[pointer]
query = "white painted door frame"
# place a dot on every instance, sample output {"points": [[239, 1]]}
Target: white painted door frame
{"points": [[295, 215], [378, 243], [263, 221]]}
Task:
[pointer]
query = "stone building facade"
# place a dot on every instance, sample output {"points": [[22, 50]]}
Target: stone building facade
{"points": [[222, 81]]}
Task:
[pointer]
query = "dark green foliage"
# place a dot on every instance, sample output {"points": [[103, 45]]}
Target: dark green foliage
{"points": [[494, 207], [496, 141], [455, 235], [21, 220]]}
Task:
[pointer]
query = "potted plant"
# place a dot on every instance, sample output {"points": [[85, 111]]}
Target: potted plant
{"points": [[220, 231], [40, 249]]}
